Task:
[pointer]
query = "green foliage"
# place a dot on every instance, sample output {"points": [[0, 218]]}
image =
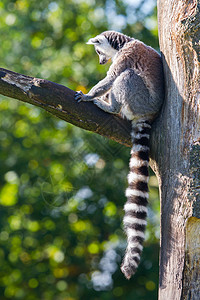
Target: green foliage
{"points": [[61, 188]]}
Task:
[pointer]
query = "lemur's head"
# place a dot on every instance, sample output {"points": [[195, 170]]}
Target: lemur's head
{"points": [[103, 48], [107, 44]]}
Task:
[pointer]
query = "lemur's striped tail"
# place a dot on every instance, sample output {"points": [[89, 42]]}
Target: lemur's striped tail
{"points": [[137, 195]]}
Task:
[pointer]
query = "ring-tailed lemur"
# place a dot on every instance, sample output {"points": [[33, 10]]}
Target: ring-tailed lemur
{"points": [[133, 88]]}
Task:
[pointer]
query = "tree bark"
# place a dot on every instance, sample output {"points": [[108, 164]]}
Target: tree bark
{"points": [[176, 155]]}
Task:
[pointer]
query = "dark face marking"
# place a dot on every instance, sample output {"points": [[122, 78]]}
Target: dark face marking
{"points": [[98, 52]]}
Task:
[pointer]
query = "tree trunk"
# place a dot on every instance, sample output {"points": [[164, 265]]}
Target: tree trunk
{"points": [[176, 155]]}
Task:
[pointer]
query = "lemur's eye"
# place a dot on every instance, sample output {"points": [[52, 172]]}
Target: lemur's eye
{"points": [[98, 52]]}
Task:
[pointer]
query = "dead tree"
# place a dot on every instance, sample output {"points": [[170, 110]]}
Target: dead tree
{"points": [[176, 150], [175, 141]]}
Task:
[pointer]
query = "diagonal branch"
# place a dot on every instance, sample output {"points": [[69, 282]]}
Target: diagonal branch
{"points": [[59, 101]]}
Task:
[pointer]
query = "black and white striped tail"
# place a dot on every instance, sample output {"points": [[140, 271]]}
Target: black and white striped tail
{"points": [[137, 197]]}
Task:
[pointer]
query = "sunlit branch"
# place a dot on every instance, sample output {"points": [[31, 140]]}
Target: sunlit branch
{"points": [[59, 101]]}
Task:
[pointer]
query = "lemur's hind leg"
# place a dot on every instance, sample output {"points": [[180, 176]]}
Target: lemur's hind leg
{"points": [[110, 106]]}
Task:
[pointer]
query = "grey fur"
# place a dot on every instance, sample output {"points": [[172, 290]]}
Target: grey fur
{"points": [[135, 78], [133, 88]]}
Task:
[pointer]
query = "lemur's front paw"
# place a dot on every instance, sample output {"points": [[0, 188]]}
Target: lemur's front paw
{"points": [[79, 96]]}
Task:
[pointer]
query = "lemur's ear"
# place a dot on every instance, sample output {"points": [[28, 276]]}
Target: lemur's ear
{"points": [[97, 40], [93, 41]]}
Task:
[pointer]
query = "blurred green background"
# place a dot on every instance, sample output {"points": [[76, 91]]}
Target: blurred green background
{"points": [[62, 188]]}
